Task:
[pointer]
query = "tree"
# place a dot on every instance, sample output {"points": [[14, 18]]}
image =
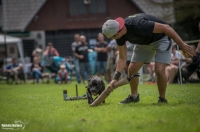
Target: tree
{"points": [[187, 15]]}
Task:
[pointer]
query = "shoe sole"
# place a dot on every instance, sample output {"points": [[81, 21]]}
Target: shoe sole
{"points": [[128, 103]]}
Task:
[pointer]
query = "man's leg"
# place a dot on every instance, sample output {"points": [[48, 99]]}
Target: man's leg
{"points": [[37, 77], [109, 68], [104, 70], [161, 78], [98, 67], [82, 71], [86, 69], [15, 76], [77, 70], [133, 68]]}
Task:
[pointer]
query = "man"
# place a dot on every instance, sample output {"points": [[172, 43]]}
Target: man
{"points": [[101, 49], [13, 70], [81, 52], [76, 60], [152, 38]]}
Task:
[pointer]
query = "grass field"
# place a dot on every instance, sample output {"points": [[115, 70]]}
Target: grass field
{"points": [[42, 109]]}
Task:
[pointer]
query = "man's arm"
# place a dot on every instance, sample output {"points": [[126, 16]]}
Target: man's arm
{"points": [[77, 54], [33, 53], [164, 28], [19, 67], [56, 52], [100, 49], [121, 63], [187, 60]]}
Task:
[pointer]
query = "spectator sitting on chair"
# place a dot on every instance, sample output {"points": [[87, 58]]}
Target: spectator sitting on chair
{"points": [[13, 70], [36, 70], [62, 75], [193, 64], [172, 69]]}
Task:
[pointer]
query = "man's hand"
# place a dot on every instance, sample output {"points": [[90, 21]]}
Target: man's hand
{"points": [[34, 69], [188, 50], [111, 85], [81, 56]]}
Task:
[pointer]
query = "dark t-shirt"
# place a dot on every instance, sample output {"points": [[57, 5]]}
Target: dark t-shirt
{"points": [[101, 56], [11, 66], [82, 50], [140, 30]]}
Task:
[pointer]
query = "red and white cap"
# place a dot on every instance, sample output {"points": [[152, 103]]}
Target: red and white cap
{"points": [[112, 27]]}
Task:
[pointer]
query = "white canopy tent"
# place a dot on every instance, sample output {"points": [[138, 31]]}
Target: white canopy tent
{"points": [[13, 40]]}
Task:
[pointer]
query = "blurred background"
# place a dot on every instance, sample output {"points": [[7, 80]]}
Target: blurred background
{"points": [[27, 23]]}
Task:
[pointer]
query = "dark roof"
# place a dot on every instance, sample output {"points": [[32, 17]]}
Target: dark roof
{"points": [[17, 14], [159, 8]]}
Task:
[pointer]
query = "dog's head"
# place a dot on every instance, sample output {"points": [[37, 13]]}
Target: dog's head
{"points": [[96, 85]]}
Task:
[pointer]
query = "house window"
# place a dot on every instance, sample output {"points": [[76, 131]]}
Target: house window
{"points": [[80, 7], [97, 7], [77, 7]]}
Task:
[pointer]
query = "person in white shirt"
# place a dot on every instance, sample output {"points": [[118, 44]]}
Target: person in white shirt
{"points": [[172, 69]]}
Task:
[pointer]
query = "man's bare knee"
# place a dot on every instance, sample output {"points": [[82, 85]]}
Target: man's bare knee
{"points": [[160, 69], [134, 67]]}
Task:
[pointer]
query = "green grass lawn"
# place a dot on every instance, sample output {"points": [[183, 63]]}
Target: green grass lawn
{"points": [[42, 109]]}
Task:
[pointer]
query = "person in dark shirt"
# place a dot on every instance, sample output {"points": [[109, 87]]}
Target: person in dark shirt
{"points": [[81, 52], [101, 49], [152, 37], [14, 69]]}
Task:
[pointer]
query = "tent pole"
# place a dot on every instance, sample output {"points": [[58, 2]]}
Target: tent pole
{"points": [[5, 47]]}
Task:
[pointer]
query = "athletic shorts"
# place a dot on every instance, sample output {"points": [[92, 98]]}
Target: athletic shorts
{"points": [[160, 50]]}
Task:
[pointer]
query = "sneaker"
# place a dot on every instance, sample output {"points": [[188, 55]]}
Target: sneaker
{"points": [[130, 99], [162, 100]]}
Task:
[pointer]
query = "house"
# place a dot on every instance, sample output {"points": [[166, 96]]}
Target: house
{"points": [[57, 21], [160, 8]]}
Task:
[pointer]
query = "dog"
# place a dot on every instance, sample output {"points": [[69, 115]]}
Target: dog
{"points": [[95, 87]]}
